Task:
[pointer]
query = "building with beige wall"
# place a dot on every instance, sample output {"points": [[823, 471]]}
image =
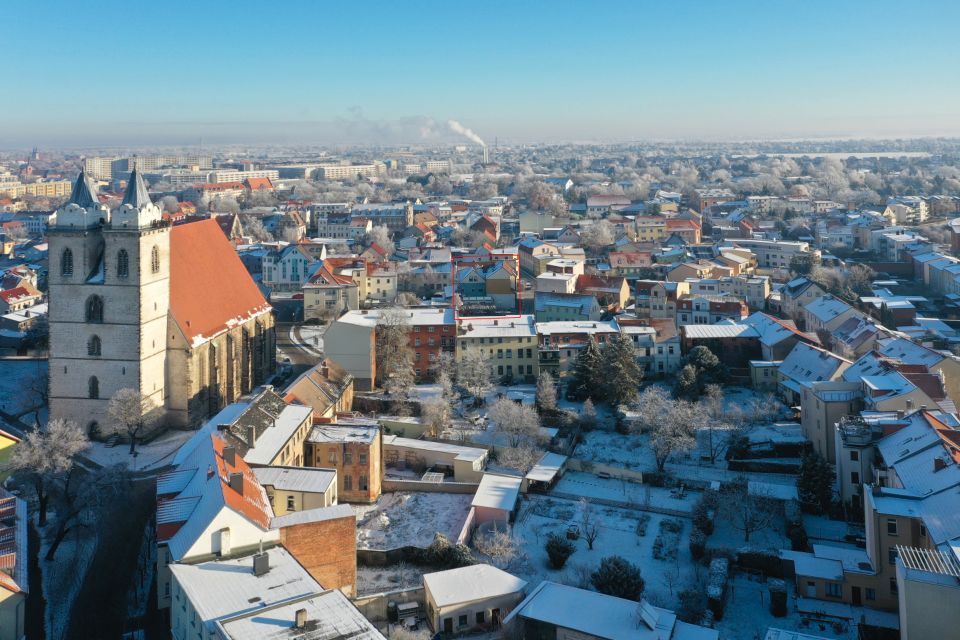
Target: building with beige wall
{"points": [[355, 451], [479, 596], [294, 489]]}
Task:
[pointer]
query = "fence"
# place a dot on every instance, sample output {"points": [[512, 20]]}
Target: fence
{"points": [[623, 504], [392, 484], [386, 557], [614, 472]]}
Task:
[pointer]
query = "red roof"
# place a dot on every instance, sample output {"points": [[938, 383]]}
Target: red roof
{"points": [[12, 295], [255, 184], [210, 290]]}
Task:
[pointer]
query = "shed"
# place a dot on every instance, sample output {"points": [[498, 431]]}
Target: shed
{"points": [[470, 597], [496, 498]]}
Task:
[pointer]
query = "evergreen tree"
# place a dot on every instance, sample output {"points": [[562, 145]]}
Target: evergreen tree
{"points": [[623, 372], [815, 483], [617, 577], [588, 374], [686, 385]]}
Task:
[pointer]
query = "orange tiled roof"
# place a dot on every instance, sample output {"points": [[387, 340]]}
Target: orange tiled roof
{"points": [[210, 290]]}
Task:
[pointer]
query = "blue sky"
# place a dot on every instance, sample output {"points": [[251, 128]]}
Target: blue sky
{"points": [[171, 71]]}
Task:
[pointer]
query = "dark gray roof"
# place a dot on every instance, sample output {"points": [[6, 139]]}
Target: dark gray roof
{"points": [[136, 195], [84, 192]]}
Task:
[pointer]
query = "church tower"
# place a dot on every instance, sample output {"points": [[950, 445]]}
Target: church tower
{"points": [[109, 281]]}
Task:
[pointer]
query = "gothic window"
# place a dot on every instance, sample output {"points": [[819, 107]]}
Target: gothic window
{"points": [[93, 388], [94, 312], [123, 264], [93, 346], [155, 259], [66, 263]]}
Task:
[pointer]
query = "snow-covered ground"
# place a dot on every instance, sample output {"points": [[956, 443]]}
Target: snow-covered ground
{"points": [[308, 337], [63, 577], [618, 536], [588, 485], [152, 455], [406, 518], [389, 578]]}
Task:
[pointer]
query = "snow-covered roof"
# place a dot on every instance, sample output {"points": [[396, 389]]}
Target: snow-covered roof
{"points": [[722, 330], [497, 492], [826, 308], [469, 584], [598, 615], [225, 588], [309, 479], [320, 514], [337, 432], [806, 363], [461, 452], [329, 615], [524, 326], [417, 316], [578, 326], [808, 565], [547, 467]]}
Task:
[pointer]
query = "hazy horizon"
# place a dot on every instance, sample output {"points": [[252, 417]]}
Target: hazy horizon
{"points": [[177, 73]]}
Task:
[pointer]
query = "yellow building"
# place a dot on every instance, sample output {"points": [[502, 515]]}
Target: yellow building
{"points": [[510, 345]]}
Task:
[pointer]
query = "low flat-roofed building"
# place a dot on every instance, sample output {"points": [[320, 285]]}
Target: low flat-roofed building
{"points": [[466, 464], [496, 499], [475, 597]]}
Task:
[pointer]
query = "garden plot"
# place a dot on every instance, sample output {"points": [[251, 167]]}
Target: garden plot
{"points": [[618, 535], [405, 518], [589, 486]]}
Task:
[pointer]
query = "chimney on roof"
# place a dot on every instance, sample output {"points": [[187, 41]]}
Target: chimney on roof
{"points": [[923, 407], [900, 412], [261, 564], [301, 619], [236, 482], [209, 471], [251, 436], [230, 455]]}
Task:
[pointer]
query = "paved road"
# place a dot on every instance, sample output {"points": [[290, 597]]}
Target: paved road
{"points": [[293, 350]]}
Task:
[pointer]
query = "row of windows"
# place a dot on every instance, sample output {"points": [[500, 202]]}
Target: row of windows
{"points": [[123, 262]]}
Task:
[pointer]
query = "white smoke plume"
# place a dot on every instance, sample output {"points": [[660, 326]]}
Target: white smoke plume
{"points": [[456, 127]]}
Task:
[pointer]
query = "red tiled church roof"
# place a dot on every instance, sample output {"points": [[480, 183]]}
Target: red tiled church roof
{"points": [[210, 290]]}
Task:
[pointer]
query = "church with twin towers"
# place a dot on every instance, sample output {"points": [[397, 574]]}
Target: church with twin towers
{"points": [[138, 303]]}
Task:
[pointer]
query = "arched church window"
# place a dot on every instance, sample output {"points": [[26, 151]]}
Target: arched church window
{"points": [[93, 346], [94, 311], [66, 263], [93, 388], [123, 263]]}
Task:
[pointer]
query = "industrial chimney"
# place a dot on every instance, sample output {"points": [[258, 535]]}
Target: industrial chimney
{"points": [[486, 155]]}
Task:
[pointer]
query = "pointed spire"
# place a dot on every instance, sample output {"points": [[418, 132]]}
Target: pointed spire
{"points": [[136, 195], [84, 192]]}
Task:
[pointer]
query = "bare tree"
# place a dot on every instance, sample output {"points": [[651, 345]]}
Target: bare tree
{"points": [[748, 511], [395, 357], [598, 235], [380, 235], [80, 497], [169, 204], [590, 523], [45, 456], [521, 459], [435, 415], [519, 422], [653, 403], [36, 396], [473, 372], [131, 413], [407, 299], [672, 433], [546, 392], [254, 228], [499, 546]]}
